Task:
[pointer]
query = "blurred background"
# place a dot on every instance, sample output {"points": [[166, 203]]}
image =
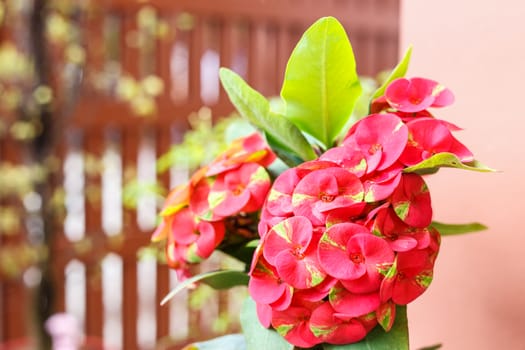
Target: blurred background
{"points": [[97, 97]]}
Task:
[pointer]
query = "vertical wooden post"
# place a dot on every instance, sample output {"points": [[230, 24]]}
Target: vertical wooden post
{"points": [[94, 145]]}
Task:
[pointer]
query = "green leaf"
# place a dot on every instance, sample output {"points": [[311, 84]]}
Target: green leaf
{"points": [[258, 337], [226, 342], [432, 347], [242, 251], [457, 229], [288, 158], [254, 107], [378, 339], [321, 84], [447, 160], [222, 279], [398, 72]]}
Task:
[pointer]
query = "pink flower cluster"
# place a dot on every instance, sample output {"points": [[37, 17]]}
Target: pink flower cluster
{"points": [[347, 237], [194, 218]]}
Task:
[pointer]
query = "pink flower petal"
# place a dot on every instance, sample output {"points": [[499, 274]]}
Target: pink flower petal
{"points": [[351, 304], [368, 283], [379, 185], [414, 275], [183, 226], [333, 252], [210, 236], [293, 324], [429, 137], [241, 189], [382, 138], [293, 234], [199, 201], [318, 292], [331, 329], [411, 201], [264, 314], [347, 156], [299, 270], [265, 286], [325, 190], [279, 201], [416, 94]]}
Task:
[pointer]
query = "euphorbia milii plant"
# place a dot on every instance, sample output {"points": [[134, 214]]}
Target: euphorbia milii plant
{"points": [[338, 215]]}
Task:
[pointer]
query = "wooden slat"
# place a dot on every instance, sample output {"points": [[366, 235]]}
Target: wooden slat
{"points": [[94, 145], [196, 46], [57, 263], [164, 57], [163, 138], [130, 146], [283, 52]]}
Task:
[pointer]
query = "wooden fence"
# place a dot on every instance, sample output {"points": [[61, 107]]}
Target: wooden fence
{"points": [[105, 141]]}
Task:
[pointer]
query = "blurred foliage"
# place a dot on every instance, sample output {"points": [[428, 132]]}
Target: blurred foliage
{"points": [[18, 180], [203, 141], [15, 259]]}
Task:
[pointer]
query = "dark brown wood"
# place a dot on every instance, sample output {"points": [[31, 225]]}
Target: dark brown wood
{"points": [[94, 145], [131, 138], [355, 13], [164, 140]]}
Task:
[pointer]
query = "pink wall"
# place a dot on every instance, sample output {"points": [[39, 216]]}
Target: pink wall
{"points": [[476, 48]]}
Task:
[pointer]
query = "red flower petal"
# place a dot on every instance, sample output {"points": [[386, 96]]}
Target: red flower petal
{"points": [[411, 201], [414, 275], [199, 201], [293, 324], [265, 286], [177, 199], [417, 94], [264, 314], [347, 156], [210, 236], [381, 138], [380, 184], [351, 304], [290, 246], [279, 201], [368, 283], [250, 149], [241, 189], [325, 190], [184, 227], [386, 315], [162, 230], [428, 137], [330, 328], [318, 292], [294, 234], [333, 251], [300, 270]]}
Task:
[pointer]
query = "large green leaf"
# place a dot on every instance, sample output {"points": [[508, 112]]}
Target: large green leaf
{"points": [[448, 160], [321, 84], [254, 107], [222, 279], [398, 72], [457, 229], [378, 339], [226, 342], [258, 337]]}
